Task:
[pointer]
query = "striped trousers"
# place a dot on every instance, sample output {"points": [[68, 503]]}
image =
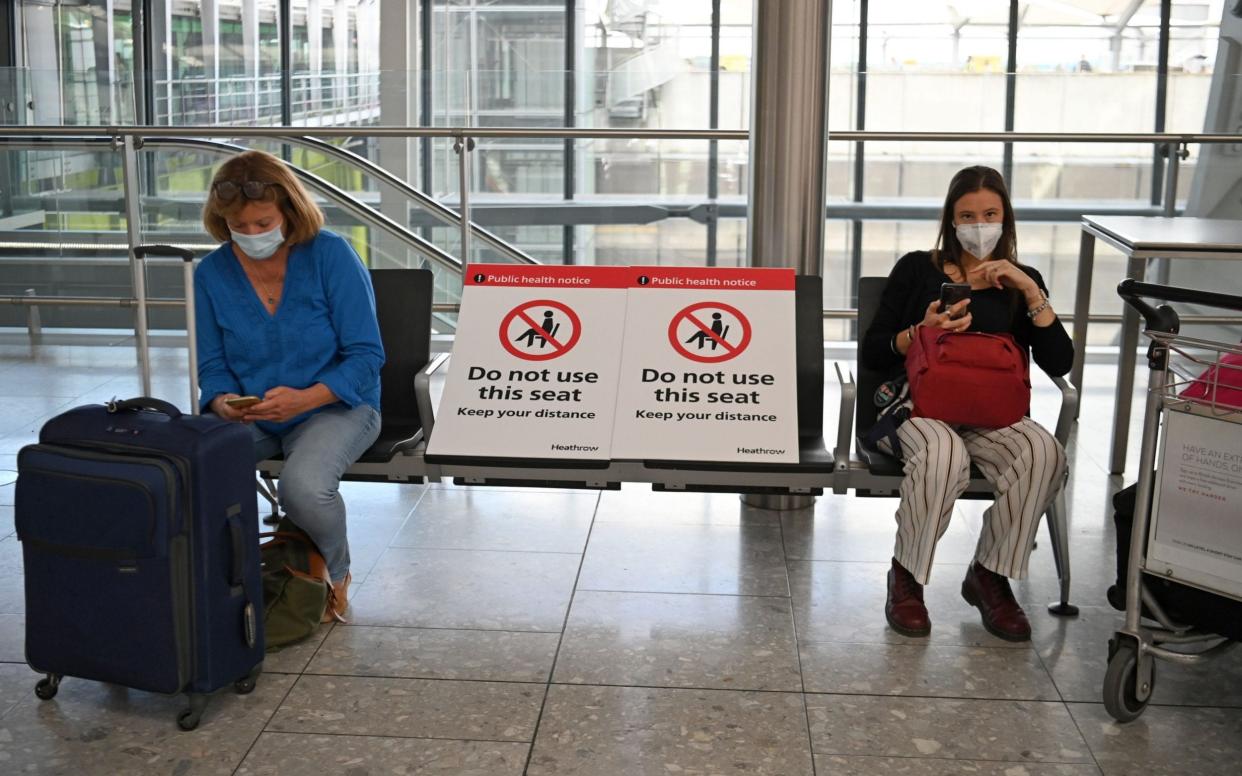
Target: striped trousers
{"points": [[1025, 464]]}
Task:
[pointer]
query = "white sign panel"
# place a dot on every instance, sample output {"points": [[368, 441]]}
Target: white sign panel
{"points": [[535, 360], [708, 366], [1198, 510]]}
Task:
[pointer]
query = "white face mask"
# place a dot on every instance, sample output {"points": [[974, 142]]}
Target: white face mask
{"points": [[259, 246], [979, 239]]}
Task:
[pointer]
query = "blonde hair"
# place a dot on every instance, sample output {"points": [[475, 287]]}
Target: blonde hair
{"points": [[303, 218]]}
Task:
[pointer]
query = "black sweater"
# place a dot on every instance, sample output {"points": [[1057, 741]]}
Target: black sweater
{"points": [[915, 282]]}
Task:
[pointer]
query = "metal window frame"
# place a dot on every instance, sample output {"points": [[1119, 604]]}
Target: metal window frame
{"points": [[1162, 97], [860, 158], [713, 149], [1011, 90], [569, 172], [424, 97], [285, 26], [8, 35]]}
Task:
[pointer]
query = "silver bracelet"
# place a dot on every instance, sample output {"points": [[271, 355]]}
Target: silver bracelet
{"points": [[1034, 311]]}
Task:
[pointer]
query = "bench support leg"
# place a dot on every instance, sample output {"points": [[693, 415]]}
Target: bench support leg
{"points": [[783, 502], [1056, 520], [267, 489]]}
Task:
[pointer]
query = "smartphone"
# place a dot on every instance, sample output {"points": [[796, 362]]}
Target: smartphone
{"points": [[241, 402], [951, 294]]}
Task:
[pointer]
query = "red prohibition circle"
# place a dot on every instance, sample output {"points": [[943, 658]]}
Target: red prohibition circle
{"points": [[559, 348], [730, 351]]}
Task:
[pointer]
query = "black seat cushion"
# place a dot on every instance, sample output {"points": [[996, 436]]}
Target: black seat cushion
{"points": [[392, 440]]}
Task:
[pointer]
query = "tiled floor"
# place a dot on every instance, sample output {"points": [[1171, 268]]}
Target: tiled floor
{"points": [[543, 632]]}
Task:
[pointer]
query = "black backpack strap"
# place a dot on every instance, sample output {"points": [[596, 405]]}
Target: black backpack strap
{"points": [[885, 428]]}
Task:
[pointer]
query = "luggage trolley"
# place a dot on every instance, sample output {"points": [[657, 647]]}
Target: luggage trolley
{"points": [[1188, 511]]}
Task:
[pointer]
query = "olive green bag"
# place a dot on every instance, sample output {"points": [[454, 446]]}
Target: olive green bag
{"points": [[296, 586]]}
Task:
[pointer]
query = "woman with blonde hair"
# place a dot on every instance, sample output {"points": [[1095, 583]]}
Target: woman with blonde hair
{"points": [[288, 342]]}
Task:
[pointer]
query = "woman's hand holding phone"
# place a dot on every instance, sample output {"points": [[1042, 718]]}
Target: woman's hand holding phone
{"points": [[283, 403], [225, 405], [951, 294], [955, 318]]}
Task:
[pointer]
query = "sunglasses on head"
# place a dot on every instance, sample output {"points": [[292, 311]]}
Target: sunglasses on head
{"points": [[228, 191]]}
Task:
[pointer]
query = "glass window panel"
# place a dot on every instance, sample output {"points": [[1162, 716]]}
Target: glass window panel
{"points": [[509, 59], [79, 58], [673, 241], [736, 18], [931, 69], [1195, 33], [221, 68], [65, 235], [648, 66], [731, 242], [1085, 72]]}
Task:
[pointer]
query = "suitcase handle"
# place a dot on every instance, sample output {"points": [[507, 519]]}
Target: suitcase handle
{"points": [[142, 251], [239, 548], [145, 403]]}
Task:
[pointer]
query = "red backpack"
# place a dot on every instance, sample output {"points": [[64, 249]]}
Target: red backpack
{"points": [[968, 378]]}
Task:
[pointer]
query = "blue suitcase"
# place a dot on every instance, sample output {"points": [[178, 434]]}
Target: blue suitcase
{"points": [[139, 532]]}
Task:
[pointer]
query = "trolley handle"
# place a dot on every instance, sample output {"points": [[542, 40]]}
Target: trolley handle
{"points": [[187, 264], [1163, 318]]}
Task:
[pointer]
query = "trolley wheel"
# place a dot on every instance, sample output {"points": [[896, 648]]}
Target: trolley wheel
{"points": [[47, 687], [1120, 691]]}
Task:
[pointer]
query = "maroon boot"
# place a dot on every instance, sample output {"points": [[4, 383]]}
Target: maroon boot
{"points": [[989, 592], [904, 609]]}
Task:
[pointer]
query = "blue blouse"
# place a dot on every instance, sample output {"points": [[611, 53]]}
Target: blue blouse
{"points": [[324, 330]]}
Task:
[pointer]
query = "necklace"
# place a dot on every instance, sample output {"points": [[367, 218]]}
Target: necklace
{"points": [[271, 298], [267, 291]]}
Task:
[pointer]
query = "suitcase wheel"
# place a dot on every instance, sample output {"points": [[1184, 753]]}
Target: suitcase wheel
{"points": [[189, 719], [245, 685], [47, 687]]}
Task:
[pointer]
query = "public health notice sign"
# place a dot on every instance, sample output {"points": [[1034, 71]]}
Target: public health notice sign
{"points": [[535, 363], [708, 366], [1198, 509]]}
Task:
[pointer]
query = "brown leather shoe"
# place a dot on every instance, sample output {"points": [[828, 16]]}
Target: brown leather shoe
{"points": [[904, 609], [989, 592], [338, 600]]}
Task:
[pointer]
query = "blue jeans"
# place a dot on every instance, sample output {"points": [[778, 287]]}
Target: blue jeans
{"points": [[317, 452]]}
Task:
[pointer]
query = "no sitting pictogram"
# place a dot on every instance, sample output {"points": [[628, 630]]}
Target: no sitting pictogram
{"points": [[540, 330], [709, 332]]}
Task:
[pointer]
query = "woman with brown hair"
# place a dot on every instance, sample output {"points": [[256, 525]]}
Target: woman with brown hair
{"points": [[288, 342], [977, 244]]}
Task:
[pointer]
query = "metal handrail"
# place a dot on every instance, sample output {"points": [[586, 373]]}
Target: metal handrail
{"points": [[588, 133], [194, 136], [341, 197], [440, 212], [434, 208], [833, 314]]}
